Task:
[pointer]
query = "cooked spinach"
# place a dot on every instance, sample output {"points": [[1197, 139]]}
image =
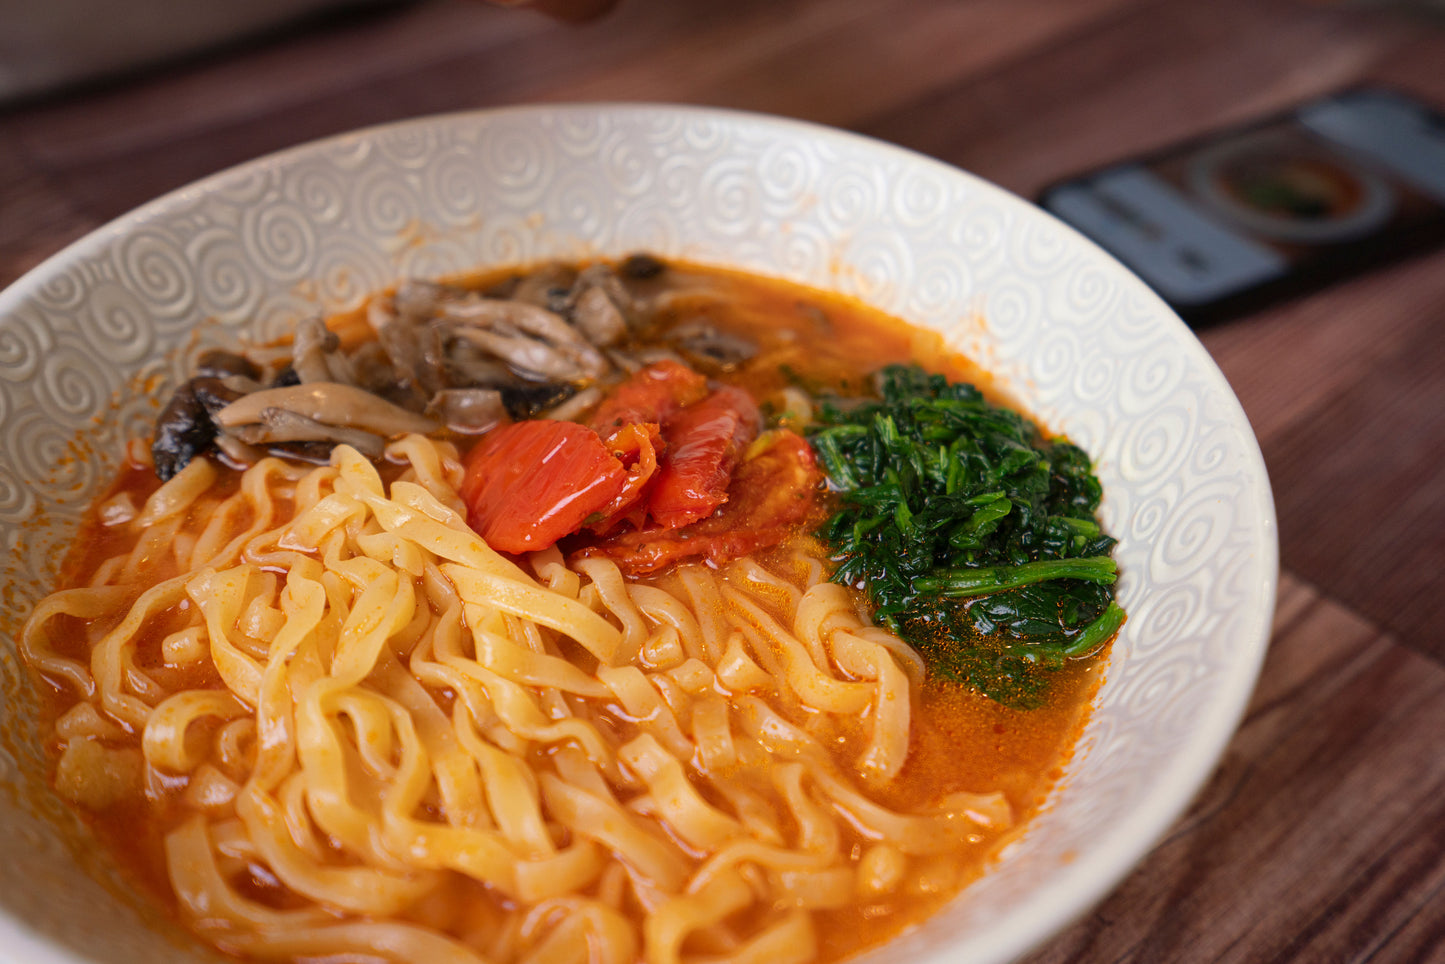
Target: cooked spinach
{"points": [[974, 536]]}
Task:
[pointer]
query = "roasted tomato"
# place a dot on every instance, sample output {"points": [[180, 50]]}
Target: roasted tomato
{"points": [[653, 395], [528, 484], [635, 446], [704, 443], [658, 474], [771, 494]]}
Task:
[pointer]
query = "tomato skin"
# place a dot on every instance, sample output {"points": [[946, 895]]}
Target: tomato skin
{"points": [[630, 419], [778, 486], [635, 445], [530, 483], [652, 395], [704, 442], [771, 495], [665, 417]]}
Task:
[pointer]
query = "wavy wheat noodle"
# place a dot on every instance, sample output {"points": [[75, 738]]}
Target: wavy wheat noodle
{"points": [[369, 705]]}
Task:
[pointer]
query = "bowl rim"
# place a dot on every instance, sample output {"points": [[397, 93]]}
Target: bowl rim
{"points": [[1096, 872]]}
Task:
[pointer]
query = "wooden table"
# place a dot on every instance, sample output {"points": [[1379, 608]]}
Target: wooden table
{"points": [[1322, 835]]}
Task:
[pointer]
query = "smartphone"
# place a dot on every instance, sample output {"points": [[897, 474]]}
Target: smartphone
{"points": [[1226, 223]]}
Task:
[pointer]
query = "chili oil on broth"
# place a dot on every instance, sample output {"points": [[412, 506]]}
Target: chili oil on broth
{"points": [[959, 741]]}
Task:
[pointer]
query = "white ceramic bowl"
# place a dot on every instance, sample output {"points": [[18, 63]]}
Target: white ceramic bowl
{"points": [[1079, 341]]}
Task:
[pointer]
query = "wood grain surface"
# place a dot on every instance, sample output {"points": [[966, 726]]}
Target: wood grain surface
{"points": [[1322, 835]]}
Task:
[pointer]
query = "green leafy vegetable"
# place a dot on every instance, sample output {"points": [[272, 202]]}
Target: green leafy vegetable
{"points": [[975, 537]]}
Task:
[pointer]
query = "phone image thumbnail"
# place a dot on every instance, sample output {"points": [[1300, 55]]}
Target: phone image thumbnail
{"points": [[1229, 222]]}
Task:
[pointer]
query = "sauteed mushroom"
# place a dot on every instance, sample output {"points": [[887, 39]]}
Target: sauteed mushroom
{"points": [[186, 426], [711, 349], [329, 402], [443, 355], [278, 425], [468, 410]]}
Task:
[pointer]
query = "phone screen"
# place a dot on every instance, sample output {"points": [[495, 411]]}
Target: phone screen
{"points": [[1226, 223]]}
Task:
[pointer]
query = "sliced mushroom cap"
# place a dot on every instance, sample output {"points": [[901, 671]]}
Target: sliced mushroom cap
{"points": [[217, 363], [381, 312], [528, 355], [465, 365], [468, 410], [317, 453], [575, 407], [186, 427], [564, 352], [469, 366], [411, 378], [240, 384], [237, 452], [432, 373], [603, 276], [710, 348], [417, 301], [641, 266], [509, 315], [329, 402], [316, 355], [531, 339], [634, 360], [547, 287], [526, 399], [183, 430], [597, 316], [279, 425], [216, 393], [375, 371]]}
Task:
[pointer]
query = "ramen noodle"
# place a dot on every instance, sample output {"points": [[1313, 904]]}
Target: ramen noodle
{"points": [[322, 718]]}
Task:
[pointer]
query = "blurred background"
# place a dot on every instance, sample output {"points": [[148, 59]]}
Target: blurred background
{"points": [[1322, 838]]}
